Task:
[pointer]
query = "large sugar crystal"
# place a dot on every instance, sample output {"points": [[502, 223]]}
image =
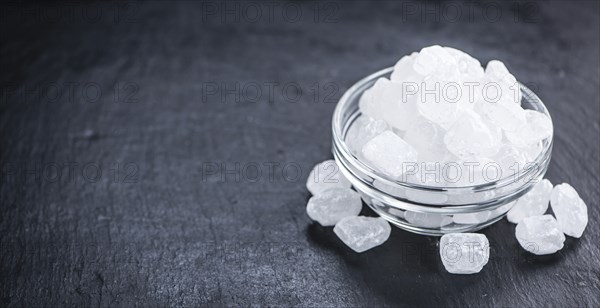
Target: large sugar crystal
{"points": [[470, 136], [362, 130], [533, 203], [540, 235], [570, 210], [404, 73], [537, 127], [509, 89], [385, 101], [324, 176], [362, 233], [389, 154], [330, 206], [469, 67], [427, 138], [436, 60], [464, 253]]}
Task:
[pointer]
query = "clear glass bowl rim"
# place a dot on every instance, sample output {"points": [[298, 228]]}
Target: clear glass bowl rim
{"points": [[342, 149]]}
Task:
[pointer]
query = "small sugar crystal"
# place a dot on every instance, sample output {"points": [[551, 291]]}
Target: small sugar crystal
{"points": [[464, 253], [540, 235], [389, 154], [324, 176], [533, 203], [330, 206], [362, 233], [570, 210]]}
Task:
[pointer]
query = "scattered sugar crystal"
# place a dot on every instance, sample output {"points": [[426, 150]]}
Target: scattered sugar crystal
{"points": [[470, 136], [427, 138], [533, 203], [540, 235], [427, 220], [385, 101], [570, 210], [464, 253], [537, 127], [389, 154], [324, 176], [362, 130], [362, 233], [330, 206], [472, 218]]}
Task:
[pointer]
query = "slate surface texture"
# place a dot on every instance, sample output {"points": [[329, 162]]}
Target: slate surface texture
{"points": [[155, 153]]}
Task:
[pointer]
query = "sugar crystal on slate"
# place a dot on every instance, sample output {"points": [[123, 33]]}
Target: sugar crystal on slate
{"points": [[533, 203], [324, 176], [570, 210], [330, 206], [540, 235], [362, 233], [464, 253]]}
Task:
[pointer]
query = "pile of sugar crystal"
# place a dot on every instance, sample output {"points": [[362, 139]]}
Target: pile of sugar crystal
{"points": [[334, 204], [441, 106], [541, 233]]}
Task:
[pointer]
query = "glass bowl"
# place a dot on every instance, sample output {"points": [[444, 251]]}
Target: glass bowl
{"points": [[431, 210]]}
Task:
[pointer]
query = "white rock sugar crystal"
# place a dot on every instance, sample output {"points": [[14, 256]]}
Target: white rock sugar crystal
{"points": [[384, 101], [389, 153], [533, 203], [362, 233], [444, 107], [436, 60], [324, 176], [427, 138], [469, 67], [537, 127], [464, 253], [404, 72], [540, 235], [570, 210], [470, 136], [362, 130], [330, 206]]}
